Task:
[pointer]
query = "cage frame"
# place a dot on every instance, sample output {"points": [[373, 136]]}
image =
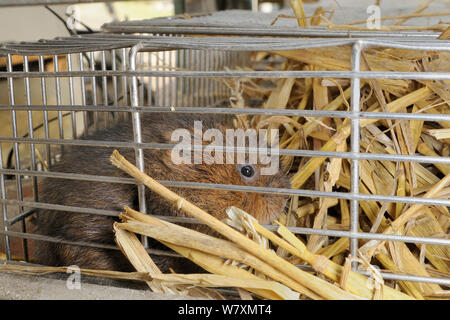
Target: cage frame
{"points": [[147, 43]]}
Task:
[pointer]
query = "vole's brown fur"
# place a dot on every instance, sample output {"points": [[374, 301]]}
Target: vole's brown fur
{"points": [[95, 161]]}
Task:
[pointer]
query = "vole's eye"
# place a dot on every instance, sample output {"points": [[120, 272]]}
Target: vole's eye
{"points": [[247, 171]]}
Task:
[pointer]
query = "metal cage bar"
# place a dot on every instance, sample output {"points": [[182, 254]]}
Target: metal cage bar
{"points": [[355, 147], [139, 153]]}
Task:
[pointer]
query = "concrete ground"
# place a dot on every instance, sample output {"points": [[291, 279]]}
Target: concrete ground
{"points": [[27, 287]]}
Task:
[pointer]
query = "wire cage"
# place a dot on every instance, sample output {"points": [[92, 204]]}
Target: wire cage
{"points": [[82, 88], [90, 81]]}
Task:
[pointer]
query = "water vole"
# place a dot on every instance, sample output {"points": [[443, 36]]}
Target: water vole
{"points": [[156, 128]]}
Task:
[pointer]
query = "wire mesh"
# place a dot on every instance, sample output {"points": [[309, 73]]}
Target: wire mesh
{"points": [[136, 73]]}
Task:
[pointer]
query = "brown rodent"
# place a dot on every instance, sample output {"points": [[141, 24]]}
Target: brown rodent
{"points": [[95, 161]]}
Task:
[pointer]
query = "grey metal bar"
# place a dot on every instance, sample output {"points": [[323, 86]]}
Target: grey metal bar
{"points": [[296, 230], [366, 235], [208, 43], [139, 152], [153, 95], [30, 129], [355, 148], [101, 40], [105, 89], [58, 96], [71, 96], [9, 67], [114, 79], [231, 111], [221, 87], [403, 36], [387, 276], [83, 96], [198, 63], [40, 237], [272, 44], [163, 88], [45, 112], [57, 207], [288, 152], [124, 78], [244, 188], [252, 31], [4, 208], [64, 175], [208, 85], [94, 88], [239, 74], [405, 277], [189, 95], [172, 88], [182, 81]]}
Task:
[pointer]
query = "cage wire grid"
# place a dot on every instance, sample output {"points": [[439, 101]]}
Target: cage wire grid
{"points": [[131, 50]]}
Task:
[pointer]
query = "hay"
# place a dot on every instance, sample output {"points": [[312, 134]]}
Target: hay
{"points": [[403, 137], [395, 137], [209, 252]]}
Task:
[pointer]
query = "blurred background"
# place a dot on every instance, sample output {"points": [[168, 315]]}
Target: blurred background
{"points": [[20, 22]]}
